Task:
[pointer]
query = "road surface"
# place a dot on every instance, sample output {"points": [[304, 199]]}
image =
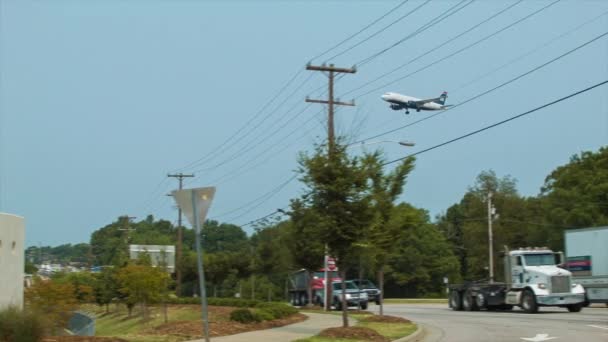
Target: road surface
{"points": [[550, 324]]}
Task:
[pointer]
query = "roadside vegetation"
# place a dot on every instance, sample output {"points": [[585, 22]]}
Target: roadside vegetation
{"points": [[368, 327], [355, 205]]}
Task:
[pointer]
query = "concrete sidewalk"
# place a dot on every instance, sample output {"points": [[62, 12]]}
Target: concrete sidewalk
{"points": [[312, 326]]}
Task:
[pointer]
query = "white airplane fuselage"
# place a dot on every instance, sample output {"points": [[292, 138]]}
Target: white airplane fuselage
{"points": [[405, 102]]}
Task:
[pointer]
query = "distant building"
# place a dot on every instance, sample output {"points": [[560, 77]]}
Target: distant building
{"points": [[12, 260], [157, 253]]}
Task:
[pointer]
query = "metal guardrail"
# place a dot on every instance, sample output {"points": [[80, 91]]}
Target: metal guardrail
{"points": [[82, 324]]}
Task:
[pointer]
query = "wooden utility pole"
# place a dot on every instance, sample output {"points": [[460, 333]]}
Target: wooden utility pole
{"points": [[178, 255], [330, 101], [331, 70]]}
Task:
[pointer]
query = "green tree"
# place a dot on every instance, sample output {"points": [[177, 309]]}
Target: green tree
{"points": [[142, 284], [385, 188], [56, 300], [336, 189], [105, 288], [423, 256]]}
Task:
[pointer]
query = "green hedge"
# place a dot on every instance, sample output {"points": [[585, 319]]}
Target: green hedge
{"points": [[244, 316], [263, 312], [234, 302], [277, 310]]}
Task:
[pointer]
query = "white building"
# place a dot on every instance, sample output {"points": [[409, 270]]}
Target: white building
{"points": [[157, 254], [12, 260]]}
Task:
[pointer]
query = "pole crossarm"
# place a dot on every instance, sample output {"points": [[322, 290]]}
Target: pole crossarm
{"points": [[351, 103], [331, 67]]}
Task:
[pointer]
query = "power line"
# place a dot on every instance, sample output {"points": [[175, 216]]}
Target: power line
{"points": [[499, 123], [492, 89], [278, 211], [463, 49], [269, 196], [241, 138], [361, 30], [258, 113], [438, 46], [237, 154], [245, 167], [537, 48], [382, 29], [264, 197], [446, 14]]}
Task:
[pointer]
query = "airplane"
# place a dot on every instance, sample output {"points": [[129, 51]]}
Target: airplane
{"points": [[399, 102]]}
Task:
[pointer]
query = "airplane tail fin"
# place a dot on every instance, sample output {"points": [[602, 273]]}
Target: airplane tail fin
{"points": [[441, 99]]}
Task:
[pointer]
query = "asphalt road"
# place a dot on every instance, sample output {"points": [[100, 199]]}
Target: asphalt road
{"points": [[550, 324]]}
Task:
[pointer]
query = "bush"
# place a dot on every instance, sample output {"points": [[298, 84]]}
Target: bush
{"points": [[263, 315], [244, 316], [277, 310], [17, 325]]}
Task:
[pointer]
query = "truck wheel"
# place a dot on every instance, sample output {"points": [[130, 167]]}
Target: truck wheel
{"points": [[575, 307], [528, 302], [468, 302], [455, 301], [378, 301], [364, 306]]}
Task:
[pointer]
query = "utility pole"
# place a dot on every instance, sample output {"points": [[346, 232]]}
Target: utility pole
{"points": [[330, 101], [126, 219], [331, 69], [490, 238], [178, 255]]}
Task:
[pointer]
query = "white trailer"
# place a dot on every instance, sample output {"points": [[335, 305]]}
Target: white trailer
{"points": [[587, 259]]}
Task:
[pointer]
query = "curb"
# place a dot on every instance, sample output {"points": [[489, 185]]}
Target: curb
{"points": [[411, 337]]}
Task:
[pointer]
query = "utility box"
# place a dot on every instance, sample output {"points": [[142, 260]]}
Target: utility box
{"points": [[12, 260], [159, 254]]}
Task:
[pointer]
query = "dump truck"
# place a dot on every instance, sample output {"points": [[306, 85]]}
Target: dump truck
{"points": [[587, 259], [533, 279]]}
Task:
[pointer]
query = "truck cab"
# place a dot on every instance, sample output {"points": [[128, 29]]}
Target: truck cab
{"points": [[533, 279]]}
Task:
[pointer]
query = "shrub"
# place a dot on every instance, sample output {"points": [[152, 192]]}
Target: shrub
{"points": [[278, 310], [244, 316], [263, 315], [17, 325]]}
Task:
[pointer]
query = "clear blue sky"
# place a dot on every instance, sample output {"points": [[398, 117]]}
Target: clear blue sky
{"points": [[99, 100]]}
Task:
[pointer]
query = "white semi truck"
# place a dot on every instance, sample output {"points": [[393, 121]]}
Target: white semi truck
{"points": [[532, 279], [587, 259]]}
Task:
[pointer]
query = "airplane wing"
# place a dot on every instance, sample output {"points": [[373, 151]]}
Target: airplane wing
{"points": [[421, 102]]}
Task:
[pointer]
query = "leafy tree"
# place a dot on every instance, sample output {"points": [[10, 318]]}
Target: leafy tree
{"points": [[575, 195], [336, 186], [105, 288], [56, 300], [307, 248], [423, 255], [385, 188], [141, 284]]}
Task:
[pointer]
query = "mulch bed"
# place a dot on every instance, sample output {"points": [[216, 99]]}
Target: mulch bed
{"points": [[194, 329], [385, 319], [355, 333], [81, 339]]}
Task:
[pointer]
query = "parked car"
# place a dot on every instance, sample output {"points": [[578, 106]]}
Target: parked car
{"points": [[373, 293], [354, 296]]}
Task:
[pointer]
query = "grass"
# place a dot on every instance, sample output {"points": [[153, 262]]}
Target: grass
{"points": [[390, 330], [117, 323], [326, 339]]}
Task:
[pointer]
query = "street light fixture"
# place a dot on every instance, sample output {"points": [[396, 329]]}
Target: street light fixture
{"points": [[402, 143]]}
